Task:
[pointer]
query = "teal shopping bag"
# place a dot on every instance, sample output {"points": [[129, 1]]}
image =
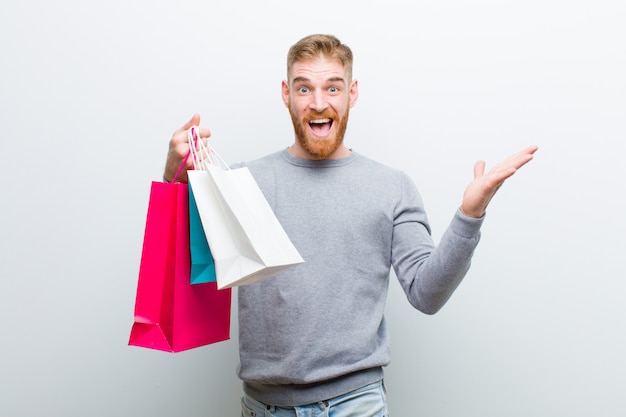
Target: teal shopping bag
{"points": [[202, 265]]}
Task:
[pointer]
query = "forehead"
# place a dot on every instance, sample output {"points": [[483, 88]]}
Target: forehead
{"points": [[318, 69]]}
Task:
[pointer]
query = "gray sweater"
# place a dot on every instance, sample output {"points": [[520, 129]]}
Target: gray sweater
{"points": [[318, 330]]}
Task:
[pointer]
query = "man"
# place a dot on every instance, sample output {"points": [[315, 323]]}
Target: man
{"points": [[313, 339]]}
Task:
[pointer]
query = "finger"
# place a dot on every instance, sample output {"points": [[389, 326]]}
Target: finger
{"points": [[498, 174], [179, 138], [524, 156], [531, 149], [519, 161], [194, 121], [479, 169], [201, 136], [204, 132], [510, 165], [529, 153]]}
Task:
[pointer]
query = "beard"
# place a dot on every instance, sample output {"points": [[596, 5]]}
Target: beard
{"points": [[318, 148]]}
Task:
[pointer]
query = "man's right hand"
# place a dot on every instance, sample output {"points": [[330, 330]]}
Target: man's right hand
{"points": [[179, 147]]}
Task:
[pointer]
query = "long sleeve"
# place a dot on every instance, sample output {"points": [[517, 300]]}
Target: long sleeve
{"points": [[429, 274]]}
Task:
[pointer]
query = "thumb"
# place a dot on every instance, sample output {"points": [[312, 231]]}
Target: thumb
{"points": [[194, 121], [479, 169]]}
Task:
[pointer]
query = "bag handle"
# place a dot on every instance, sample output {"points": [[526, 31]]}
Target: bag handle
{"points": [[197, 153], [180, 168], [201, 154]]}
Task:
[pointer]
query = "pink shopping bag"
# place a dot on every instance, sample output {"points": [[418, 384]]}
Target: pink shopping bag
{"points": [[170, 313]]}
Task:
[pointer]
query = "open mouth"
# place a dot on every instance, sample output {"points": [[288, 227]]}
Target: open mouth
{"points": [[321, 127]]}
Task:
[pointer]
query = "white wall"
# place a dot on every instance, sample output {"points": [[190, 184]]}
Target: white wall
{"points": [[91, 91]]}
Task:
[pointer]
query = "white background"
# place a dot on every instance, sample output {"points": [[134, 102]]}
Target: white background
{"points": [[91, 92]]}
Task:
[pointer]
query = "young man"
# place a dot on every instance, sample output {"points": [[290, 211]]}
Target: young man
{"points": [[313, 339]]}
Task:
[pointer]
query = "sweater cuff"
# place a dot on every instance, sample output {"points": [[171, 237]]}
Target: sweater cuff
{"points": [[465, 226]]}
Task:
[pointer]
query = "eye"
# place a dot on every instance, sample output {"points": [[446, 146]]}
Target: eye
{"points": [[333, 90], [303, 90]]}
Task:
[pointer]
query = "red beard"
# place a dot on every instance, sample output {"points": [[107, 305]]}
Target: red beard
{"points": [[315, 147]]}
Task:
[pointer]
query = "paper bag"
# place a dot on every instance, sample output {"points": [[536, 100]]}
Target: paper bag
{"points": [[170, 313], [202, 264], [247, 242]]}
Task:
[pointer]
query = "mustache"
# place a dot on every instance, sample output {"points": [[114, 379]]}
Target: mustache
{"points": [[326, 114]]}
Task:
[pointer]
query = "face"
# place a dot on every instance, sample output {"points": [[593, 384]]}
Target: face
{"points": [[319, 95]]}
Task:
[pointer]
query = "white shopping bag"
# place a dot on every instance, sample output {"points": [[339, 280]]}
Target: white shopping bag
{"points": [[247, 242]]}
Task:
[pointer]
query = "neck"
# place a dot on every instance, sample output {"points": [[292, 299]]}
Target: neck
{"points": [[297, 151]]}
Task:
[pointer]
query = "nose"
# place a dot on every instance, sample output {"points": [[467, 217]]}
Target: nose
{"points": [[318, 101]]}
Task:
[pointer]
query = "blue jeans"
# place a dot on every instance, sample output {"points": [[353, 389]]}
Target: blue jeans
{"points": [[369, 401]]}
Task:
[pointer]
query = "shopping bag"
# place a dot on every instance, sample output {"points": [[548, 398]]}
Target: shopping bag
{"points": [[247, 241], [202, 264], [170, 313]]}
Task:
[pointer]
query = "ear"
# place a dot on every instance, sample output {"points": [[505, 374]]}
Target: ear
{"points": [[354, 92], [285, 93]]}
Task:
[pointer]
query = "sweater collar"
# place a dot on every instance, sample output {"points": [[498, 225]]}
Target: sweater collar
{"points": [[319, 163]]}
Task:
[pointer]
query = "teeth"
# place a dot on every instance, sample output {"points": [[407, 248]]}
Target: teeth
{"points": [[320, 121]]}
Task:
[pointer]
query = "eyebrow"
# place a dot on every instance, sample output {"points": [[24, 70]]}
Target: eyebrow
{"points": [[305, 79]]}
